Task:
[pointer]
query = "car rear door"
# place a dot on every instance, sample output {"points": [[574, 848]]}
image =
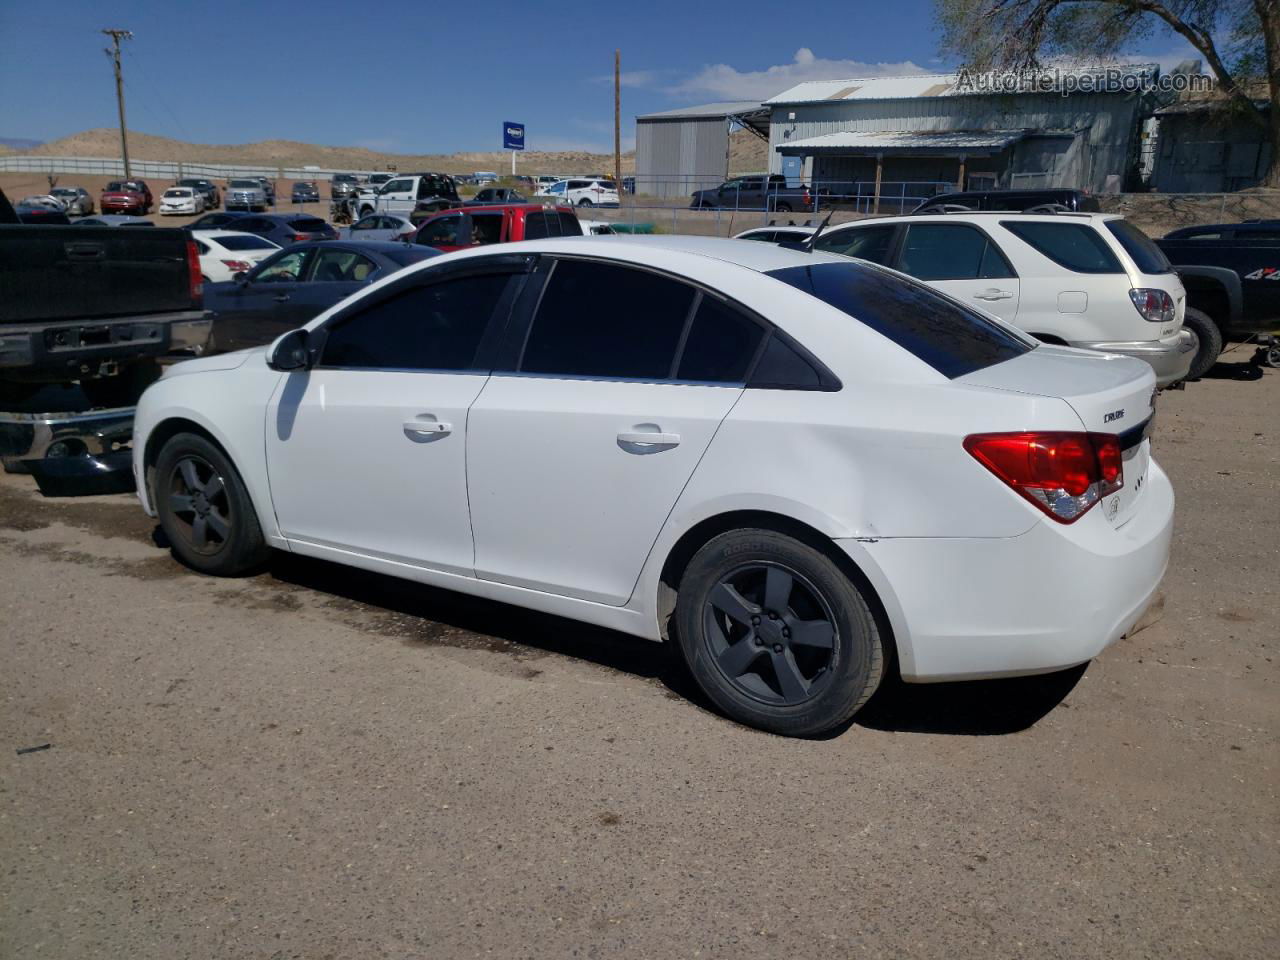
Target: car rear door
{"points": [[366, 451], [961, 260], [577, 455]]}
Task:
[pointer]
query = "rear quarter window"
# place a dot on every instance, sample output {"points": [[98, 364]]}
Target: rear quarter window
{"points": [[1076, 246], [1145, 254], [945, 335]]}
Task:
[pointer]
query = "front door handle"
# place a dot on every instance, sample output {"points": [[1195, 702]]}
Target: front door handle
{"points": [[427, 426], [281, 298], [650, 439], [993, 294]]}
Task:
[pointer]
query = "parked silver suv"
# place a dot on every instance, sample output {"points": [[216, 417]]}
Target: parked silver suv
{"points": [[246, 195]]}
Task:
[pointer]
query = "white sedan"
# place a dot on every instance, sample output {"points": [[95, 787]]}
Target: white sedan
{"points": [[177, 200], [224, 253], [803, 469]]}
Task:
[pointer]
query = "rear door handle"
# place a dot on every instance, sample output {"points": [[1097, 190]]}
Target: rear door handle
{"points": [[650, 439], [993, 294], [427, 426], [281, 298]]}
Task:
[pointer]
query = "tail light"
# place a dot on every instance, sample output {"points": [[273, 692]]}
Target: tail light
{"points": [[1064, 474], [806, 196], [194, 280], [299, 237], [237, 266], [1154, 305]]}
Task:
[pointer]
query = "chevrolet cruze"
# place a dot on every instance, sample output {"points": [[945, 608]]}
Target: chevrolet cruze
{"points": [[803, 469]]}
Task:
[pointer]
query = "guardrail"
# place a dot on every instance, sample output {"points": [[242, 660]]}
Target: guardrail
{"points": [[164, 169]]}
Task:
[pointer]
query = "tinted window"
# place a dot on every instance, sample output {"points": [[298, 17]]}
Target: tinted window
{"points": [[950, 251], [335, 265], [1146, 255], [765, 236], [782, 367], [942, 333], [721, 344], [636, 337], [200, 245], [552, 224], [486, 229], [1257, 233], [435, 327], [867, 243], [245, 241], [442, 231], [1072, 245], [308, 225]]}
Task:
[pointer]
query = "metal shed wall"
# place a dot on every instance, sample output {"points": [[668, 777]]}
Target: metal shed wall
{"points": [[676, 157], [1110, 120], [1202, 153]]}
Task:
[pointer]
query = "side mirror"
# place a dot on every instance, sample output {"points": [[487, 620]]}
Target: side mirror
{"points": [[291, 352]]}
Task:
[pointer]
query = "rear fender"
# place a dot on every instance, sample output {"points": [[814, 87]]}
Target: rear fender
{"points": [[1219, 280]]}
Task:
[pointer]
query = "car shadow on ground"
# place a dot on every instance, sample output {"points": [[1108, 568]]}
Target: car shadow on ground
{"points": [[424, 615], [1241, 370]]}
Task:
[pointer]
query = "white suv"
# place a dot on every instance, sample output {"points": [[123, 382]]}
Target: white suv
{"points": [[586, 192], [1088, 280]]}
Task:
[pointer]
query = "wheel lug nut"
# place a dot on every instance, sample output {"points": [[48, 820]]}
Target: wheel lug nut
{"points": [[777, 648], [755, 621], [759, 642], [786, 632], [772, 615]]}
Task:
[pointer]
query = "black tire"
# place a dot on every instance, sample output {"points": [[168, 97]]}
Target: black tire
{"points": [[789, 619], [783, 207], [205, 510], [124, 389], [584, 202], [1210, 346]]}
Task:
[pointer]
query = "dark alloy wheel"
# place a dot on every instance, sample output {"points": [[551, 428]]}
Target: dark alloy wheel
{"points": [[204, 508], [772, 635], [776, 633]]}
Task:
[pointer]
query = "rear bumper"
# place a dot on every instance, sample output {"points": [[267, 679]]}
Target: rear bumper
{"points": [[68, 350], [1057, 596], [1170, 358]]}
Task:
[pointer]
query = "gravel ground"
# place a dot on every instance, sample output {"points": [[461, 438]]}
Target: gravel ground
{"points": [[315, 763]]}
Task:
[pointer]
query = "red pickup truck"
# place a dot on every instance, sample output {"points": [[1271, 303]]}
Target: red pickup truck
{"points": [[126, 196], [477, 226]]}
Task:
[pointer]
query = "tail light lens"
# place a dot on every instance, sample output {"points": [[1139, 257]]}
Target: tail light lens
{"points": [[1063, 474], [237, 266], [299, 237], [1154, 305], [194, 281]]}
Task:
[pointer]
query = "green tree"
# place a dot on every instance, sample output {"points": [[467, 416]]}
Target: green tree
{"points": [[1238, 39]]}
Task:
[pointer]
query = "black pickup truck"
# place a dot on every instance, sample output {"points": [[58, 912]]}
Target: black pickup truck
{"points": [[754, 193], [98, 305], [1232, 275]]}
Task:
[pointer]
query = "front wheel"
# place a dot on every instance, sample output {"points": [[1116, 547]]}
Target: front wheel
{"points": [[584, 202], [1210, 337], [776, 634], [205, 509]]}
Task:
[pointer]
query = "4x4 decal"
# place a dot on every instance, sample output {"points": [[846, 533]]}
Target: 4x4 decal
{"points": [[1264, 273]]}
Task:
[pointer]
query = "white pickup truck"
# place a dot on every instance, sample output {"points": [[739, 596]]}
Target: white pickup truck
{"points": [[406, 193]]}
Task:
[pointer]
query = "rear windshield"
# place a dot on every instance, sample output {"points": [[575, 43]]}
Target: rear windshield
{"points": [[1075, 246], [309, 224], [246, 184], [178, 192], [939, 331], [245, 241], [1139, 246]]}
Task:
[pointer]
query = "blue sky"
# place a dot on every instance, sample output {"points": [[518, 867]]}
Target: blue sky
{"points": [[406, 78]]}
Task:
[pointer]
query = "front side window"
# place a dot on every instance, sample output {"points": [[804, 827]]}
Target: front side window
{"points": [[434, 327], [949, 337], [1072, 245], [950, 251], [486, 228], [441, 232], [638, 339], [285, 267], [865, 243], [398, 186]]}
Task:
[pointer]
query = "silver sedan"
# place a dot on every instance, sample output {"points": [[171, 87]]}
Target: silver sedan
{"points": [[379, 226]]}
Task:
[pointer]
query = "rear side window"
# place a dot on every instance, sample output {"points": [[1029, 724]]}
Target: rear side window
{"points": [[721, 344], [950, 251], [246, 241], [540, 225], [1072, 245], [309, 225], [636, 338], [950, 338], [436, 327], [865, 243], [1146, 255]]}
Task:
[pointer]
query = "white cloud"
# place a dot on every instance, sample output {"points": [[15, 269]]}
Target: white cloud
{"points": [[723, 82]]}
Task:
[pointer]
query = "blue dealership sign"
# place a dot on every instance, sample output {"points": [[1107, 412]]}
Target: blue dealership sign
{"points": [[512, 136]]}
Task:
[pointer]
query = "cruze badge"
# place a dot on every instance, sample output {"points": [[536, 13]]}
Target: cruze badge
{"points": [[1113, 415]]}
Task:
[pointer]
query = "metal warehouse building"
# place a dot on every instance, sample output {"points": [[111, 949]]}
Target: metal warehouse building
{"points": [[1203, 146], [679, 151]]}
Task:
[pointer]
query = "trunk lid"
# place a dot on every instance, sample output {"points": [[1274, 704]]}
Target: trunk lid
{"points": [[1109, 393]]}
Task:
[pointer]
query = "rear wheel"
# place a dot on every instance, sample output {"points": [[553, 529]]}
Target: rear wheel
{"points": [[1210, 346], [783, 207], [584, 202], [205, 510], [776, 634]]}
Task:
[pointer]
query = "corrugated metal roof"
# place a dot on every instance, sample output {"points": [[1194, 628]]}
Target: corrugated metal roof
{"points": [[900, 141], [728, 108], [917, 85]]}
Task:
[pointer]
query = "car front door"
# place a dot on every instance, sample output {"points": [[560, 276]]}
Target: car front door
{"points": [[576, 457], [257, 310], [333, 274], [961, 260], [366, 452]]}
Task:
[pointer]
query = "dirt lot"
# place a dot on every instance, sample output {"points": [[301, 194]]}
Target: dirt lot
{"points": [[315, 762]]}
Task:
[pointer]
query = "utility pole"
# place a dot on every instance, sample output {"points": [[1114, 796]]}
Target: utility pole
{"points": [[617, 121], [114, 53]]}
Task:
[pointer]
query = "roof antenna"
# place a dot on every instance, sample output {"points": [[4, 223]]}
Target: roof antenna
{"points": [[806, 245]]}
